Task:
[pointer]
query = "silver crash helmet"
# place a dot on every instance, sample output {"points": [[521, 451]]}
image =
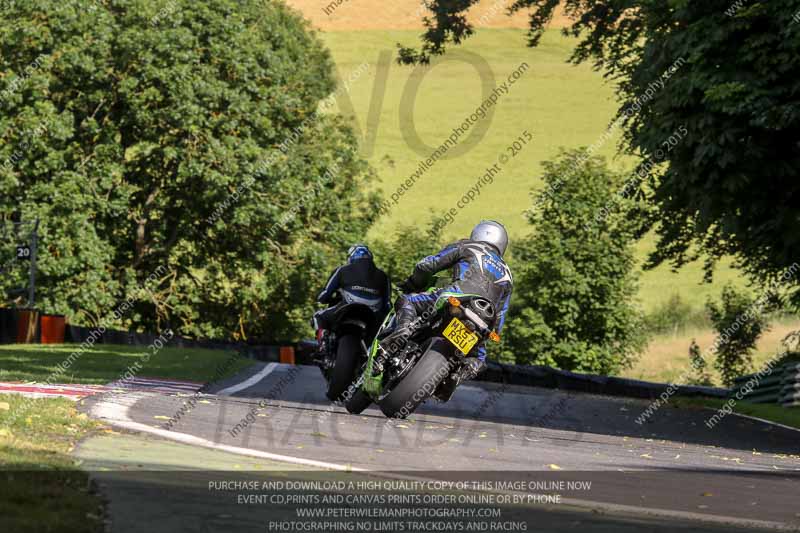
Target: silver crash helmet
{"points": [[492, 232]]}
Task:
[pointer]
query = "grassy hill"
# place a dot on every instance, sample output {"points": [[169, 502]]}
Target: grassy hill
{"points": [[560, 104]]}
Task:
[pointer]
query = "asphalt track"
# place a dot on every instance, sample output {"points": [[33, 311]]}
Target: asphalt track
{"points": [[671, 473]]}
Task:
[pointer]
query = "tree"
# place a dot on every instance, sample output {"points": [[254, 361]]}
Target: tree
{"points": [[188, 139], [726, 72], [398, 255], [700, 375], [574, 275], [739, 322]]}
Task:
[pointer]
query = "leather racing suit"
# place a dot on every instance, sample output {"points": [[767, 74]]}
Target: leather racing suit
{"points": [[477, 268], [358, 281]]}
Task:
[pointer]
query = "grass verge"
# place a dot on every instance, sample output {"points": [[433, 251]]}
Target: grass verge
{"points": [[41, 488], [104, 363], [774, 413]]}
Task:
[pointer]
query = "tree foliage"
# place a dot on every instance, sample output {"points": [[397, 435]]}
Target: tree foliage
{"points": [[398, 253], [675, 315], [700, 374], [739, 322], [730, 186], [574, 276], [184, 135]]}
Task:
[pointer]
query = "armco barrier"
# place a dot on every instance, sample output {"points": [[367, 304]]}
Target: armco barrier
{"points": [[782, 386], [790, 386], [766, 389], [542, 376]]}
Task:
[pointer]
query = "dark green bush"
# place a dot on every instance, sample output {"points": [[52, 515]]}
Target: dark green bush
{"points": [[739, 321], [180, 135], [674, 316], [700, 374], [398, 253], [575, 283]]}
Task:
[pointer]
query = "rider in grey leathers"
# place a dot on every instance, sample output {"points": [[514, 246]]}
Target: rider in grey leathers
{"points": [[477, 267]]}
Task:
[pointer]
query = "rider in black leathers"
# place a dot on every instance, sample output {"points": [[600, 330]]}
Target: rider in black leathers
{"points": [[478, 268], [360, 281]]}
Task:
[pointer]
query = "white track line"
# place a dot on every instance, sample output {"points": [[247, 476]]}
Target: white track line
{"points": [[246, 384], [117, 415], [771, 423]]}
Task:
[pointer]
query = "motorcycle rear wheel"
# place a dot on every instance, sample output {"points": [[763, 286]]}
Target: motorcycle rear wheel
{"points": [[419, 384], [348, 350]]}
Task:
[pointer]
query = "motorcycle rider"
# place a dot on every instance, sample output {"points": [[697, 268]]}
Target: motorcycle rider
{"points": [[478, 268], [361, 280]]}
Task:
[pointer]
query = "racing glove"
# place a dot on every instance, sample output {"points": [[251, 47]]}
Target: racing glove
{"points": [[407, 286]]}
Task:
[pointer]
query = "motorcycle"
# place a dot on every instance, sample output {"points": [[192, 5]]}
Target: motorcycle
{"points": [[343, 349], [430, 360]]}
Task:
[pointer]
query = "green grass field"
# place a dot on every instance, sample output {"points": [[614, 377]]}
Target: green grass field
{"points": [[105, 363], [560, 104]]}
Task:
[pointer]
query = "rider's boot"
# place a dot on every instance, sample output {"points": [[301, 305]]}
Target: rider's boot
{"points": [[395, 340]]}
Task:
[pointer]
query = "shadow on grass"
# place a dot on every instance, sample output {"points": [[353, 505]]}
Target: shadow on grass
{"points": [[32, 499]]}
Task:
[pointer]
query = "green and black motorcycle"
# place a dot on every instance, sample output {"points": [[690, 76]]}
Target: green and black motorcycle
{"points": [[429, 360]]}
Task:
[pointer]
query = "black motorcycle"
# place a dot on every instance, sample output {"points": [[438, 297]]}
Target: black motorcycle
{"points": [[352, 325], [431, 359]]}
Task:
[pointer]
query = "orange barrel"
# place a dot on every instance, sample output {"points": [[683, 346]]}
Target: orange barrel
{"points": [[26, 325], [287, 355], [53, 327]]}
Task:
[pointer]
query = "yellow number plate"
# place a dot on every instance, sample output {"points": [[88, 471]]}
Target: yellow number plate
{"points": [[462, 338]]}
